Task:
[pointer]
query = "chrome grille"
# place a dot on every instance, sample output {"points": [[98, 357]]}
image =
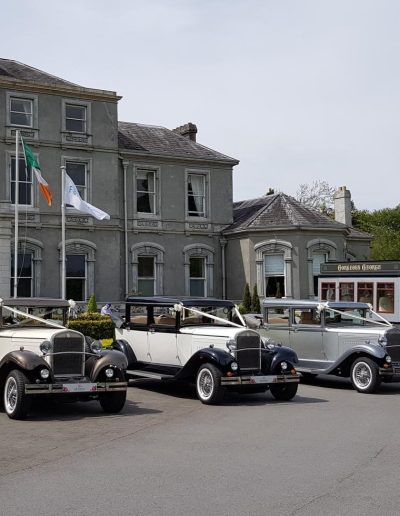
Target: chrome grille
{"points": [[68, 357], [248, 350], [393, 344]]}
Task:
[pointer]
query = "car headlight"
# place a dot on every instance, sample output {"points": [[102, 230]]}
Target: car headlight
{"points": [[234, 366], [109, 372], [388, 359], [45, 347], [284, 366], [231, 345], [96, 346], [44, 374]]}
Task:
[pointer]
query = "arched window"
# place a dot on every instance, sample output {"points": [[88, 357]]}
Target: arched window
{"points": [[147, 268], [28, 268], [199, 270], [319, 251], [274, 268], [79, 269]]}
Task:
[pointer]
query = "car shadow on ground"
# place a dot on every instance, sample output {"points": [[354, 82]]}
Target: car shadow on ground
{"points": [[185, 390], [335, 382], [59, 410]]}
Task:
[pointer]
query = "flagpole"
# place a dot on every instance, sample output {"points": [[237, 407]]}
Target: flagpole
{"points": [[63, 272], [16, 201]]}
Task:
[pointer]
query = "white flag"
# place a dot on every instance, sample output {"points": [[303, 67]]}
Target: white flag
{"points": [[71, 196]]}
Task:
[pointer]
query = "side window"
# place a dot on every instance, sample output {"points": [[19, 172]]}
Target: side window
{"points": [[277, 317], [78, 173], [146, 191], [328, 291], [164, 317], [385, 297], [75, 118], [197, 195], [137, 316], [21, 112], [25, 197], [307, 316]]}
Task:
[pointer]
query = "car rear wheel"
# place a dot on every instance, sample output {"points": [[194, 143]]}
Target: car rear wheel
{"points": [[208, 385], [284, 392], [16, 402], [365, 375], [112, 402]]}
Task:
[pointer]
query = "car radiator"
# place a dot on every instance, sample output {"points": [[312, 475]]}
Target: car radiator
{"points": [[68, 355], [393, 344], [248, 351]]}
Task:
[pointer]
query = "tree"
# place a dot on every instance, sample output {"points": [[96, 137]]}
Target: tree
{"points": [[92, 305], [255, 301], [247, 299], [318, 195], [384, 225]]}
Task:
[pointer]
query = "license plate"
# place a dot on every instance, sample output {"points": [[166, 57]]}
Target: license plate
{"points": [[260, 379], [79, 387]]}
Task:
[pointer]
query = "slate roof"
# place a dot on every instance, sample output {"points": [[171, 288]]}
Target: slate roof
{"points": [[281, 211], [160, 141], [15, 70]]}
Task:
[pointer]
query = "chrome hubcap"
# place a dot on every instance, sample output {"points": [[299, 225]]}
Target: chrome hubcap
{"points": [[362, 375], [10, 395], [205, 383]]}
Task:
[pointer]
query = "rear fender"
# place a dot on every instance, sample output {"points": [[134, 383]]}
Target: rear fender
{"points": [[125, 348]]}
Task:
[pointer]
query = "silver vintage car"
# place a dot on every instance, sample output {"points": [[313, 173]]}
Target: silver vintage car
{"points": [[344, 339]]}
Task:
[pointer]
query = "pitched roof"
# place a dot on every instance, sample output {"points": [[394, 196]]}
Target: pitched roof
{"points": [[280, 211], [15, 70], [160, 141]]}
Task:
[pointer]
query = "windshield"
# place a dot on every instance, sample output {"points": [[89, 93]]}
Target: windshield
{"points": [[12, 317]]}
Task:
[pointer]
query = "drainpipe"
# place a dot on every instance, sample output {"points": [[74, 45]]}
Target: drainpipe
{"points": [[125, 165], [223, 242]]}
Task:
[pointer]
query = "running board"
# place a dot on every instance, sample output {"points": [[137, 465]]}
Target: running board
{"points": [[149, 374]]}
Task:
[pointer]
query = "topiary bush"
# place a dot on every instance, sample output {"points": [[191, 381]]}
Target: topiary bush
{"points": [[246, 299], [255, 301], [92, 305]]}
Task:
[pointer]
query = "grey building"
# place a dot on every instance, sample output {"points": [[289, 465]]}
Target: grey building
{"points": [[173, 227]]}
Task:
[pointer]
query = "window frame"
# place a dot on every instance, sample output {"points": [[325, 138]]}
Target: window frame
{"points": [[31, 130], [153, 278], [30, 114], [205, 214], [11, 181], [155, 193]]}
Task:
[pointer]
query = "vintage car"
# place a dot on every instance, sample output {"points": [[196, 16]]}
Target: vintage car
{"points": [[41, 357], [206, 341], [344, 339]]}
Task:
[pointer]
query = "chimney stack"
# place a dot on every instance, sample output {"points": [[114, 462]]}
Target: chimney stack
{"points": [[342, 202], [188, 130]]}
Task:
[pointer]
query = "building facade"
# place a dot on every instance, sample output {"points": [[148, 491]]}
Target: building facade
{"points": [[173, 227]]}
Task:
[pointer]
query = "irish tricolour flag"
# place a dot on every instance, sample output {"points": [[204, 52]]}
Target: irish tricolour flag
{"points": [[32, 162]]}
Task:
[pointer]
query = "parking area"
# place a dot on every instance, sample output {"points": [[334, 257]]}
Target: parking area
{"points": [[329, 451]]}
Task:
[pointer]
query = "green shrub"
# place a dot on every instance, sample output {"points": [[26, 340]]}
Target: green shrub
{"points": [[92, 305], [94, 325], [247, 299], [255, 301]]}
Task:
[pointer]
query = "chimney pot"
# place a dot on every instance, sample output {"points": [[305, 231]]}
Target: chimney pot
{"points": [[188, 130]]}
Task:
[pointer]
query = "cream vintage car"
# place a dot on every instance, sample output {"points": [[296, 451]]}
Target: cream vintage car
{"points": [[345, 339], [41, 358]]}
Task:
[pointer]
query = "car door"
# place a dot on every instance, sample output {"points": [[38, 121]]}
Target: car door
{"points": [[306, 338], [162, 343]]}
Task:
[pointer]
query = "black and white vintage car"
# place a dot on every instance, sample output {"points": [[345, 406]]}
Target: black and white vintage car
{"points": [[344, 338], [205, 341], [40, 357]]}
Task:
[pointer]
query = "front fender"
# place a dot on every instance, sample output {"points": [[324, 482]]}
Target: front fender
{"points": [[108, 358], [27, 360], [219, 357], [368, 349], [283, 354]]}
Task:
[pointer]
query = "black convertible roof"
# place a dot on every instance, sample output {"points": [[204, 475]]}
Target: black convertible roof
{"points": [[35, 302], [185, 301]]}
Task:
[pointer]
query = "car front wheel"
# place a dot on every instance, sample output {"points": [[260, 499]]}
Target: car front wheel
{"points": [[284, 392], [112, 402], [16, 402], [365, 375], [208, 385]]}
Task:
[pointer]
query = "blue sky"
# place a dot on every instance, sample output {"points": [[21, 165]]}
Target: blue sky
{"points": [[297, 90]]}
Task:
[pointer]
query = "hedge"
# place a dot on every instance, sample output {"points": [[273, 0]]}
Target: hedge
{"points": [[94, 325]]}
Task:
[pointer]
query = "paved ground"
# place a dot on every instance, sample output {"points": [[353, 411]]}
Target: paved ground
{"points": [[331, 451]]}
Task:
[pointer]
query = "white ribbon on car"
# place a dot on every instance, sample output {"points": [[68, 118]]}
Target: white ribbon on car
{"points": [[214, 317]]}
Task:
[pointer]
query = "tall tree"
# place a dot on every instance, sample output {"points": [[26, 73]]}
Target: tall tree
{"points": [[384, 225], [255, 301], [247, 299], [318, 195]]}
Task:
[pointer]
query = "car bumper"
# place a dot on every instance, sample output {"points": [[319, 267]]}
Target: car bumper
{"points": [[260, 380], [75, 388], [391, 372]]}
